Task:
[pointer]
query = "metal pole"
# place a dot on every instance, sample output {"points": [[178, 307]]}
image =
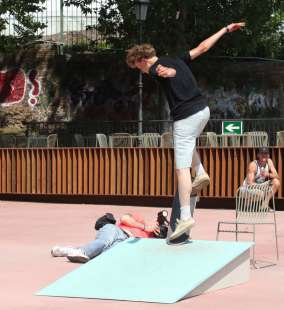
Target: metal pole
{"points": [[61, 27], [140, 87]]}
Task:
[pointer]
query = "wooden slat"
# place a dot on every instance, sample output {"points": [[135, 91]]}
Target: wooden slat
{"points": [[141, 168], [120, 171]]}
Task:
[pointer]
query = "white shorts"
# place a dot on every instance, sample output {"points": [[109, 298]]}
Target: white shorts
{"points": [[185, 133]]}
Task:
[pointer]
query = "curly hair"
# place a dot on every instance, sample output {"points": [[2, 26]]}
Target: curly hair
{"points": [[139, 52]]}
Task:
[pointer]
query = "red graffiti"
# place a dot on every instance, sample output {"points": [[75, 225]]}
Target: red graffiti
{"points": [[13, 86]]}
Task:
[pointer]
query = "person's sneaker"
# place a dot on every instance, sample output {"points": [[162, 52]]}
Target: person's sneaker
{"points": [[61, 251], [199, 183], [183, 239], [183, 226], [78, 256]]}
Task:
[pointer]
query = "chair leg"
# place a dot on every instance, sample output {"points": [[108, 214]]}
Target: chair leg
{"points": [[237, 227], [253, 248], [218, 231], [276, 237]]}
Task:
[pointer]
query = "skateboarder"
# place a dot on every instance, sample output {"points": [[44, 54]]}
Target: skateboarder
{"points": [[189, 111]]}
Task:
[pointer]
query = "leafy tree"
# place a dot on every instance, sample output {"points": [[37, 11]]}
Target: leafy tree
{"points": [[173, 25], [25, 25]]}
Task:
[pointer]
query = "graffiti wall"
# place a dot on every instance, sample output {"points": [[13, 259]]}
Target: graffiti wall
{"points": [[101, 87], [16, 84]]}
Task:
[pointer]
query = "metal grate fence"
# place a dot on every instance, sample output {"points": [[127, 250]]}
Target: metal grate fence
{"points": [[65, 24]]}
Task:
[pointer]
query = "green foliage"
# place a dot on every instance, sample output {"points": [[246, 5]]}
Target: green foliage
{"points": [[25, 26], [196, 21]]}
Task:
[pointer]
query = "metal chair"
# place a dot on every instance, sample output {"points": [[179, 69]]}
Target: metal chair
{"points": [[79, 140], [167, 140], [91, 140], [201, 141], [7, 141], [21, 141], [120, 140], [252, 208], [256, 138], [151, 139], [101, 140], [52, 140], [280, 138], [37, 141], [229, 140], [212, 139]]}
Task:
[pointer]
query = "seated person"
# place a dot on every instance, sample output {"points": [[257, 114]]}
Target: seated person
{"points": [[109, 234], [262, 170]]}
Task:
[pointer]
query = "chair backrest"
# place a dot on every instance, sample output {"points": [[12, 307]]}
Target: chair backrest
{"points": [[7, 141], [212, 139], [280, 138], [91, 140], [202, 140], [256, 138], [252, 202], [167, 140], [52, 140], [37, 141], [101, 140], [151, 139], [79, 140], [120, 140], [21, 141]]}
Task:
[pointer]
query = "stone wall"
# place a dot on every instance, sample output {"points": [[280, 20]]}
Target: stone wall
{"points": [[38, 84]]}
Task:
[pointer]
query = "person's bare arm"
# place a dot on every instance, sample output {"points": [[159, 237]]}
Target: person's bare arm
{"points": [[165, 72], [129, 221], [205, 45], [251, 173], [272, 170]]}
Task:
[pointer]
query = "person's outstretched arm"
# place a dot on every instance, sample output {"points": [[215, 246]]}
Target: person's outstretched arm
{"points": [[205, 45], [202, 48]]}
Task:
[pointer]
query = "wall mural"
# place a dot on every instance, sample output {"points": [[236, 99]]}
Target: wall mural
{"points": [[15, 84]]}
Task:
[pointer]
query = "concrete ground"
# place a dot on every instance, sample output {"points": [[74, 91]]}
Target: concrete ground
{"points": [[29, 230]]}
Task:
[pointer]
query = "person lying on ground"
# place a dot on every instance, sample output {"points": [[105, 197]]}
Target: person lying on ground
{"points": [[109, 234]]}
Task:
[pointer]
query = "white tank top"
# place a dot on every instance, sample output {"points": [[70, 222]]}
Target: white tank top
{"points": [[260, 169], [258, 178]]}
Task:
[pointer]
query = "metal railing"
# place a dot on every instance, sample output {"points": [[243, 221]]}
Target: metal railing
{"points": [[65, 129]]}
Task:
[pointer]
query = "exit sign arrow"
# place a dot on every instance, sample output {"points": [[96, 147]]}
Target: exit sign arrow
{"points": [[232, 127]]}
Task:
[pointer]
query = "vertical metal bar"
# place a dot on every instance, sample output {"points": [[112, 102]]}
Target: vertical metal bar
{"points": [[61, 23], [140, 86]]}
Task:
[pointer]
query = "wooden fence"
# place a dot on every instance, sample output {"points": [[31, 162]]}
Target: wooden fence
{"points": [[120, 171]]}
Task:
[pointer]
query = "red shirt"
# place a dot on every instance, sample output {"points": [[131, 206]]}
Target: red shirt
{"points": [[136, 232]]}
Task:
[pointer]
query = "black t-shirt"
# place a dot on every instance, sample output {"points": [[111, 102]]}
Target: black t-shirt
{"points": [[182, 92]]}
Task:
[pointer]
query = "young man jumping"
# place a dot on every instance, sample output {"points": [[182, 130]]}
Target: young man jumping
{"points": [[189, 111]]}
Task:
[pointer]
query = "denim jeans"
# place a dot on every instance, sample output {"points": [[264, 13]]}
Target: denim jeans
{"points": [[106, 237]]}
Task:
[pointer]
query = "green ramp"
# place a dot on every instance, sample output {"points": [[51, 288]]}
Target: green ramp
{"points": [[149, 270]]}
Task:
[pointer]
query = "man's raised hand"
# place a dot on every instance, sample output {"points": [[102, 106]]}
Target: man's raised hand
{"points": [[235, 26]]}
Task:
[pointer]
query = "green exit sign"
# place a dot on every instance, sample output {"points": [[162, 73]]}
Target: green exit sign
{"points": [[232, 127]]}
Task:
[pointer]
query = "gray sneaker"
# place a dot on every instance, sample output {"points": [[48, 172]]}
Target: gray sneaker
{"points": [[200, 182], [61, 251], [78, 256], [183, 226]]}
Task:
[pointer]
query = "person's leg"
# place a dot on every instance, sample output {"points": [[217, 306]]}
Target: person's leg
{"points": [[175, 216], [106, 237], [185, 133], [176, 210], [196, 164], [275, 183]]}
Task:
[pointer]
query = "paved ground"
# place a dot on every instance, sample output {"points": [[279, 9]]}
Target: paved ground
{"points": [[29, 230]]}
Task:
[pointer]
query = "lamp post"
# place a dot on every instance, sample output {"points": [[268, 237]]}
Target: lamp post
{"points": [[141, 7]]}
